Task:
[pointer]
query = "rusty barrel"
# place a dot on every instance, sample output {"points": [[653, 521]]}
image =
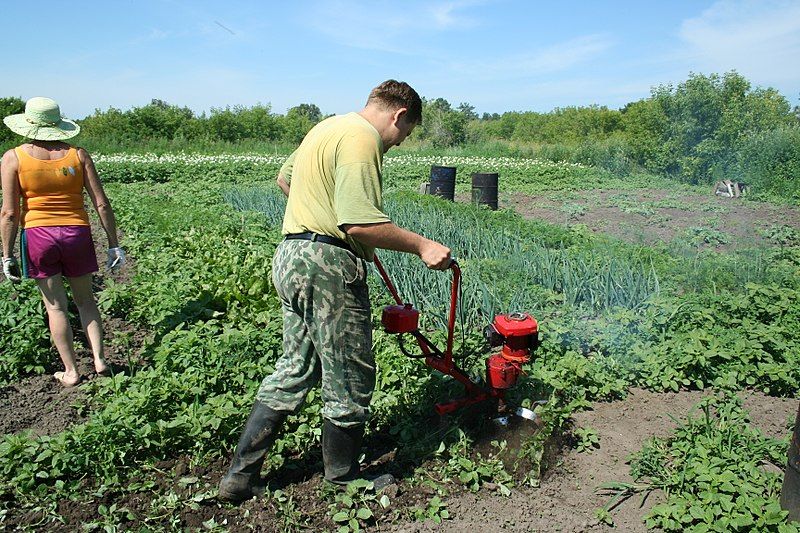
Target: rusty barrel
{"points": [[443, 182], [484, 189], [790, 492]]}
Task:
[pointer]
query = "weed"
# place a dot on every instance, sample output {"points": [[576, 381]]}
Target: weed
{"points": [[588, 439]]}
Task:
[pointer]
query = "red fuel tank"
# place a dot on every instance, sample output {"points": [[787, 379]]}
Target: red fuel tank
{"points": [[400, 318]]}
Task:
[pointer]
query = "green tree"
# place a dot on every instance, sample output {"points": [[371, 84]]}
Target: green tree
{"points": [[441, 124], [9, 106], [225, 124], [694, 130], [160, 120], [298, 121], [468, 111]]}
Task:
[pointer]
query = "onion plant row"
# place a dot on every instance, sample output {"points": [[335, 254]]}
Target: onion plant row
{"points": [[486, 243]]}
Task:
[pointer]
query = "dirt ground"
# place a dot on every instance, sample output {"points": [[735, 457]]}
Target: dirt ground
{"points": [[39, 403], [650, 216], [567, 498]]}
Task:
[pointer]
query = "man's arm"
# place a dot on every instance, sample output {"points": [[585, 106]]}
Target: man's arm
{"points": [[283, 184], [392, 237], [10, 212], [285, 174]]}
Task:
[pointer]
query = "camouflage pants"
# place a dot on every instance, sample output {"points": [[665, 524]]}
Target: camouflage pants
{"points": [[327, 332]]}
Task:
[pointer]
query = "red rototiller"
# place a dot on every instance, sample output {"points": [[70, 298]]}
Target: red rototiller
{"points": [[517, 333]]}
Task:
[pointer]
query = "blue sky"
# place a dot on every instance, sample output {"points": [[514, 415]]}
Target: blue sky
{"points": [[498, 55]]}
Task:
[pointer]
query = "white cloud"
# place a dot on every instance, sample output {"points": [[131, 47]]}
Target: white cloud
{"points": [[554, 58], [760, 39], [447, 16], [155, 34], [383, 26]]}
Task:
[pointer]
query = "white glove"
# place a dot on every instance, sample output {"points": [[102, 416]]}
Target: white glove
{"points": [[11, 270], [116, 258]]}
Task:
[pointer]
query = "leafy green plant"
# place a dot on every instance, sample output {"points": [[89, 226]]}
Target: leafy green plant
{"points": [[352, 508], [25, 346], [588, 439], [287, 511], [435, 510], [110, 519], [702, 235], [604, 516], [711, 470], [573, 211], [473, 472]]}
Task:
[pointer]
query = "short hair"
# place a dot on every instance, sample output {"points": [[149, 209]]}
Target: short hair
{"points": [[393, 94]]}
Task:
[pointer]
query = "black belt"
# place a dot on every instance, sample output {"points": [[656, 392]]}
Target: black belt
{"points": [[327, 239]]}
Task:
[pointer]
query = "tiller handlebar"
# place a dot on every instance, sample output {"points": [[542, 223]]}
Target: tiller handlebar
{"points": [[517, 333]]}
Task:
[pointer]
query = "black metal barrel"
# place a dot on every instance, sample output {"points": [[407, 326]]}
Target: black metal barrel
{"points": [[484, 189], [443, 182], [790, 493]]}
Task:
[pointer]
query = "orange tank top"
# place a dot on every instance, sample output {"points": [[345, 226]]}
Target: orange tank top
{"points": [[52, 190]]}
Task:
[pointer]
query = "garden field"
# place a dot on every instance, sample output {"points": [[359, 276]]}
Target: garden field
{"points": [[666, 382]]}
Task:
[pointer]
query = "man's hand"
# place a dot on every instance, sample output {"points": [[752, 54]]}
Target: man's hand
{"points": [[116, 258], [11, 270], [435, 256]]}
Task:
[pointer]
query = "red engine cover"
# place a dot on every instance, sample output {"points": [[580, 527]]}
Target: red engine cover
{"points": [[516, 325], [501, 373], [517, 328], [400, 318]]}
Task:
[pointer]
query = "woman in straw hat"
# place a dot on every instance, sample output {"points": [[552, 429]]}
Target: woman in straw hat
{"points": [[43, 183]]}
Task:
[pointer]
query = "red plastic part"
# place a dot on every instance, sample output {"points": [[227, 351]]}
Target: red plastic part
{"points": [[501, 373], [400, 318], [516, 325], [517, 328]]}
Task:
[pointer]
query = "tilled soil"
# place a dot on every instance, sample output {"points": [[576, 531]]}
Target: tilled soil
{"points": [[568, 495], [41, 404], [667, 215]]}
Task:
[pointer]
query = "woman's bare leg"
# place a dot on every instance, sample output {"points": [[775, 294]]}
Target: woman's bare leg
{"points": [[90, 318], [55, 301]]}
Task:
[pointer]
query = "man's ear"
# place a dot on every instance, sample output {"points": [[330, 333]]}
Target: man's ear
{"points": [[397, 115]]}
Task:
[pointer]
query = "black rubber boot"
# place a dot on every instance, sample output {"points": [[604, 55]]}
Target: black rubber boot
{"points": [[240, 483], [340, 450]]}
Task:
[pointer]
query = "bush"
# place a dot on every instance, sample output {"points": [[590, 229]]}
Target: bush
{"points": [[770, 162]]}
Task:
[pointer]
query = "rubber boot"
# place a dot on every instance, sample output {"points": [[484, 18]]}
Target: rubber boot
{"points": [[340, 450], [240, 483]]}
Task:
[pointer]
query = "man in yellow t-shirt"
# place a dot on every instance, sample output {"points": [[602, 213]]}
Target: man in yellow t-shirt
{"points": [[334, 220]]}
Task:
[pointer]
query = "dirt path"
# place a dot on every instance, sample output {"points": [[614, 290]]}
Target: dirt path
{"points": [[39, 403], [566, 500]]}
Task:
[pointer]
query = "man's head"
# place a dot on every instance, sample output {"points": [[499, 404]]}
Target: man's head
{"points": [[394, 108]]}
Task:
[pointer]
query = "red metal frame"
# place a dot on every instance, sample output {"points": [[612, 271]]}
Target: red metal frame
{"points": [[445, 363]]}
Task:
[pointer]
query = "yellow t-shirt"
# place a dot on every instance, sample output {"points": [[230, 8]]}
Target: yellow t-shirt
{"points": [[335, 177]]}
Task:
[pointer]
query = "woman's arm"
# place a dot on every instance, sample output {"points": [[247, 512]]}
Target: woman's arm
{"points": [[9, 213], [91, 182]]}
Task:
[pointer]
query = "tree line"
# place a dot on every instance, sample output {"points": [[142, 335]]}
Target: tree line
{"points": [[705, 128]]}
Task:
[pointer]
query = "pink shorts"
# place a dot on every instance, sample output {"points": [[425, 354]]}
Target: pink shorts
{"points": [[66, 250]]}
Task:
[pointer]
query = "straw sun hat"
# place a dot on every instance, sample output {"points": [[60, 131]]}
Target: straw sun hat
{"points": [[42, 121]]}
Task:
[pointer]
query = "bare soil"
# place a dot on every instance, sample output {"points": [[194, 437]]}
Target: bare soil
{"points": [[40, 403], [568, 496], [566, 500], [651, 216]]}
